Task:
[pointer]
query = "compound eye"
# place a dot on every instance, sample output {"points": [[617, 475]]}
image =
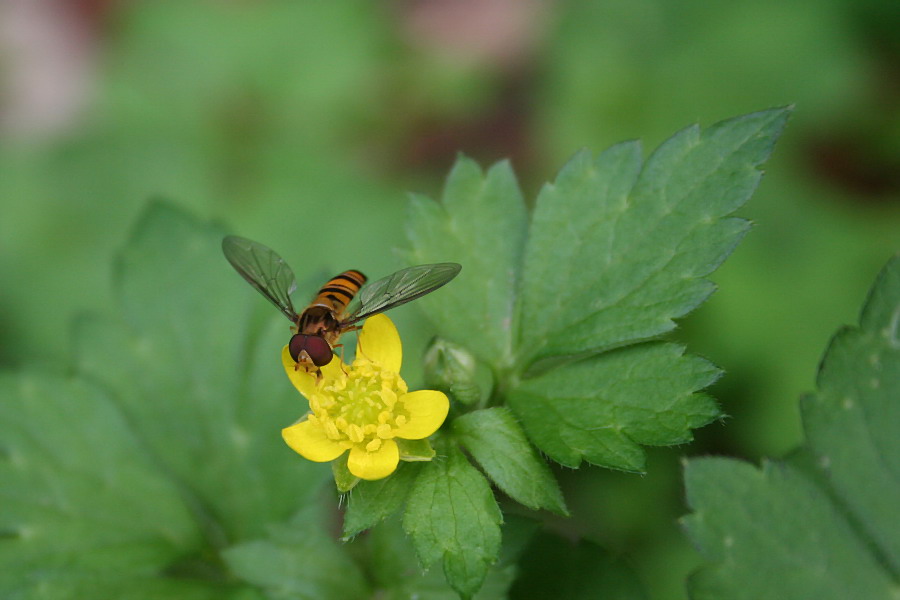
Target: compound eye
{"points": [[319, 350], [314, 346], [297, 345]]}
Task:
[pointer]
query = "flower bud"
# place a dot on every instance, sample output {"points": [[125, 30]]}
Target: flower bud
{"points": [[451, 368]]}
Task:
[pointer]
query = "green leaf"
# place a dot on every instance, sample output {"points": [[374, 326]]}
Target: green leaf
{"points": [[370, 502], [831, 533], [82, 501], [298, 560], [202, 386], [128, 480], [415, 450], [563, 308], [603, 408], [398, 577], [344, 480], [853, 422], [481, 224], [773, 520], [616, 251], [452, 516], [496, 441]]}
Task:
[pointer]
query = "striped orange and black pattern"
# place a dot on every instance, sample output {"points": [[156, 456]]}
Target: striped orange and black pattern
{"points": [[340, 290]]}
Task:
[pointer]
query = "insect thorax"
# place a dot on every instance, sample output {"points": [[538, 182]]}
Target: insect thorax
{"points": [[319, 319]]}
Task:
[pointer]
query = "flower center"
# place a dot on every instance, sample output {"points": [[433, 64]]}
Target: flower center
{"points": [[360, 406]]}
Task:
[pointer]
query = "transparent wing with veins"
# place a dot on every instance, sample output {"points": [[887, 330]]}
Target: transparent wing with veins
{"points": [[399, 288], [264, 270]]}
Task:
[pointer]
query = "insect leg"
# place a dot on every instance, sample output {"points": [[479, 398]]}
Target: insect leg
{"points": [[341, 346]]}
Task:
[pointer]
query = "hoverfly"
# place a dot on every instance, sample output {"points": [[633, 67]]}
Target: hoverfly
{"points": [[320, 325]]}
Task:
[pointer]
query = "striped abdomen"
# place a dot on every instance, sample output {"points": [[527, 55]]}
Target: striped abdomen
{"points": [[340, 290], [322, 316]]}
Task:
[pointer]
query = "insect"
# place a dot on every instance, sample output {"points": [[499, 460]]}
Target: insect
{"points": [[317, 329]]}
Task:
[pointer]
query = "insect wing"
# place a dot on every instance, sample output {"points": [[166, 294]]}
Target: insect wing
{"points": [[264, 270], [401, 287]]}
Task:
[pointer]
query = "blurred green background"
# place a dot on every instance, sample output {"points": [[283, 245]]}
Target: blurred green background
{"points": [[303, 124]]}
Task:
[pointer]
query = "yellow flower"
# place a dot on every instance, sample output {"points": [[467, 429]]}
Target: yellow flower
{"points": [[363, 407]]}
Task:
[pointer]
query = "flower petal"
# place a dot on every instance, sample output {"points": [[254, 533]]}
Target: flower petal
{"points": [[309, 441], [333, 370], [374, 465], [303, 381], [379, 342], [427, 411]]}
